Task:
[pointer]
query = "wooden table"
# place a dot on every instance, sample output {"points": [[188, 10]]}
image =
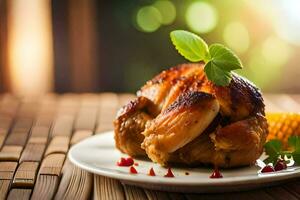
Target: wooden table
{"points": [[36, 133]]}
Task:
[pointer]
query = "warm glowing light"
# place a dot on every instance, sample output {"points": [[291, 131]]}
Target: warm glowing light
{"points": [[236, 37], [30, 46], [201, 17], [267, 62], [288, 21], [148, 19], [167, 11], [275, 51]]}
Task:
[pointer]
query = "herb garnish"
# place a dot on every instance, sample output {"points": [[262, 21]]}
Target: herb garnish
{"points": [[219, 60], [274, 150]]}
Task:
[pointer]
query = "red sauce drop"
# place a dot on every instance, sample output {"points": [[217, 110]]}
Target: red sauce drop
{"points": [[169, 174], [125, 162], [280, 165], [186, 173], [136, 164], [132, 170], [267, 169], [151, 172], [216, 174]]}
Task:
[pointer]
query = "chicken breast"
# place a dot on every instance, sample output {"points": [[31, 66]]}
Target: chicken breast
{"points": [[182, 122], [181, 117]]}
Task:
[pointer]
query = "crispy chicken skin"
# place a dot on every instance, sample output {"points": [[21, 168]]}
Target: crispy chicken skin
{"points": [[181, 117], [179, 124]]}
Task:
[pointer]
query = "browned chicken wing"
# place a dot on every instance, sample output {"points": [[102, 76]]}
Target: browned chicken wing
{"points": [[182, 117]]}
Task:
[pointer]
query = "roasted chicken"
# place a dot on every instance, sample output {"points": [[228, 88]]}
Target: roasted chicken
{"points": [[181, 117]]}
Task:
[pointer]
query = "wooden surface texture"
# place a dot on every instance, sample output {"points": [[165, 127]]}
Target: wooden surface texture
{"points": [[37, 132]]}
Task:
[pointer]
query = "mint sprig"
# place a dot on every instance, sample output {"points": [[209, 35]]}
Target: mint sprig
{"points": [[219, 60], [274, 150]]}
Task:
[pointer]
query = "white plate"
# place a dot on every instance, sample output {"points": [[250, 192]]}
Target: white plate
{"points": [[98, 155]]}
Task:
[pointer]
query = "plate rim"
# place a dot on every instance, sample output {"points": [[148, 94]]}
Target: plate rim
{"points": [[268, 178]]}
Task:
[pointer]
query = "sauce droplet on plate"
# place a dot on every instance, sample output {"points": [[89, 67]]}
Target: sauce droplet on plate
{"points": [[169, 174], [267, 169], [186, 173], [216, 174], [136, 164], [125, 162], [280, 165], [151, 172], [132, 170]]}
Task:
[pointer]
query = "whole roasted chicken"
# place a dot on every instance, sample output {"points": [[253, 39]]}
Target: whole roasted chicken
{"points": [[180, 117]]}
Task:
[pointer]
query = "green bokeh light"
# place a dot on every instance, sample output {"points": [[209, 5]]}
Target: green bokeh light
{"points": [[267, 61], [201, 17], [236, 37], [148, 19], [275, 51], [167, 11]]}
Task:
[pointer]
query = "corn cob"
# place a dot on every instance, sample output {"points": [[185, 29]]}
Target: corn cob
{"points": [[283, 125]]}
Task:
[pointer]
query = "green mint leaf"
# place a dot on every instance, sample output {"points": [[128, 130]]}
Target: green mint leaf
{"points": [[273, 148], [294, 143], [190, 45], [216, 74], [270, 159], [224, 58], [296, 157]]}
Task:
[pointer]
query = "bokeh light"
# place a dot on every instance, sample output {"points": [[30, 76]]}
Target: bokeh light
{"points": [[148, 19], [267, 62], [287, 24], [201, 17], [236, 37], [275, 51], [167, 11]]}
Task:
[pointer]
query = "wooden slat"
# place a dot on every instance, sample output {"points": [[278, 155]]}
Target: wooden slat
{"points": [[20, 194], [7, 170], [37, 140], [25, 174], [63, 126], [294, 188], [4, 187], [40, 131], [22, 125], [10, 153], [52, 164], [80, 135], [155, 195], [33, 152], [45, 187], [280, 192], [176, 196], [90, 100], [75, 183], [20, 132], [109, 104], [5, 124], [58, 144], [86, 119], [44, 120], [2, 138], [132, 192], [106, 188]]}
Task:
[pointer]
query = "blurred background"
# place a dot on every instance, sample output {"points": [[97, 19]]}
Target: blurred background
{"points": [[117, 45]]}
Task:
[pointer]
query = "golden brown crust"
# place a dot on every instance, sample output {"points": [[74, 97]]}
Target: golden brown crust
{"points": [[130, 123], [179, 124], [235, 136]]}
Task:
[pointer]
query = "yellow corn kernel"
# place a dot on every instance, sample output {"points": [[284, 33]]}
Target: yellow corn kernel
{"points": [[283, 125]]}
